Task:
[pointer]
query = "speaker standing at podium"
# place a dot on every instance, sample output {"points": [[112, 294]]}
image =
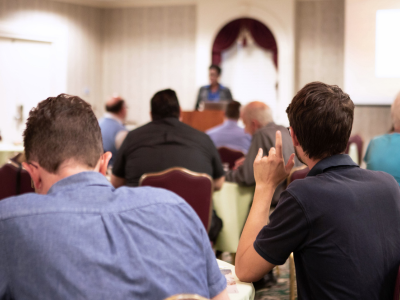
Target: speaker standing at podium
{"points": [[214, 92]]}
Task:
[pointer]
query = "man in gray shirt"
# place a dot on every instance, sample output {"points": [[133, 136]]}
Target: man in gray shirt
{"points": [[258, 121]]}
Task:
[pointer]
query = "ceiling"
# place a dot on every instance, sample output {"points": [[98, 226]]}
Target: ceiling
{"points": [[127, 3]]}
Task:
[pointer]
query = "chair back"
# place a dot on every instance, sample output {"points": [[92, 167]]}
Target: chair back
{"points": [[14, 181], [229, 156], [396, 294], [298, 173], [356, 139], [195, 188]]}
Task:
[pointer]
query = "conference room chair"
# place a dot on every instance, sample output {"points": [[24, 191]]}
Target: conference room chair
{"points": [[14, 181], [229, 156], [358, 141], [297, 173], [195, 188]]}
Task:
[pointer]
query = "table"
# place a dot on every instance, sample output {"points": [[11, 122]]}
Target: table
{"points": [[7, 151], [246, 290], [232, 205]]}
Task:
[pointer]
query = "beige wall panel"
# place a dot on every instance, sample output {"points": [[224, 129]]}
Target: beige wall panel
{"points": [[319, 42], [78, 28], [148, 49]]}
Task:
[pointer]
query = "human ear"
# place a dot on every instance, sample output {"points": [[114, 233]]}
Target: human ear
{"points": [[35, 175], [103, 163], [294, 138]]}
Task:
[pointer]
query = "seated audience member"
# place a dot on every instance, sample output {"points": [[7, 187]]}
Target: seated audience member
{"points": [[257, 118], [341, 222], [383, 153], [80, 238], [112, 126], [165, 143], [229, 134]]}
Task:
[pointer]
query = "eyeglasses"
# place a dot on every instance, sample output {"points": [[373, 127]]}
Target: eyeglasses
{"points": [[288, 128]]}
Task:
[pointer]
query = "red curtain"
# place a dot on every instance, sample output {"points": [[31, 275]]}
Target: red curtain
{"points": [[230, 32]]}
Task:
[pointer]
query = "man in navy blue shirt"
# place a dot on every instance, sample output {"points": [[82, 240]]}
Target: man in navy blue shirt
{"points": [[80, 238], [341, 222]]}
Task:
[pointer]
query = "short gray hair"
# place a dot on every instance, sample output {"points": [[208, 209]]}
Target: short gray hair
{"points": [[395, 112], [258, 111]]}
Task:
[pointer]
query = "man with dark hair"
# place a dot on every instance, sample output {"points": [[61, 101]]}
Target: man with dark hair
{"points": [[80, 238], [112, 126], [341, 222], [164, 143], [229, 134], [214, 91]]}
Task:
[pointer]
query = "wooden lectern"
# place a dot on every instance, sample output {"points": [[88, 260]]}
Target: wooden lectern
{"points": [[203, 120]]}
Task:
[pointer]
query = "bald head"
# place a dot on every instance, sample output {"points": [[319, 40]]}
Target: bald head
{"points": [[395, 112], [255, 115], [116, 106]]}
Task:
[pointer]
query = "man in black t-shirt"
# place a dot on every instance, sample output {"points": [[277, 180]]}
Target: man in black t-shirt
{"points": [[341, 222], [165, 143]]}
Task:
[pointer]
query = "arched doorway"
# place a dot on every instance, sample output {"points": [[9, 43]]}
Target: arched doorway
{"points": [[247, 51]]}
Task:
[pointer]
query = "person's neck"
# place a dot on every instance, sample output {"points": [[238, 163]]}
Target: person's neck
{"points": [[116, 116], [232, 120], [311, 162], [214, 86], [67, 169]]}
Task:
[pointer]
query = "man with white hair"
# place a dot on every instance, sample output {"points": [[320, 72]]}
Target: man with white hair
{"points": [[258, 121], [383, 151]]}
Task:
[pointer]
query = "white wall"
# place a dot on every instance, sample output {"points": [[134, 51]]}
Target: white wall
{"points": [[277, 15], [359, 63], [75, 34]]}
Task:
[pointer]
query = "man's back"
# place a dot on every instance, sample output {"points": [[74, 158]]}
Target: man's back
{"points": [[163, 144], [86, 240], [343, 223], [230, 135]]}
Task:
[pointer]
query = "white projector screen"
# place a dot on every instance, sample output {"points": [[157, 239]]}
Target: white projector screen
{"points": [[372, 51]]}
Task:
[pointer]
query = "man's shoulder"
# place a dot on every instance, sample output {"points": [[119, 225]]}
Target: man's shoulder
{"points": [[355, 179], [122, 199]]}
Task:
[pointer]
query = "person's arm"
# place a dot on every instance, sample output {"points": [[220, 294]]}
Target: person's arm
{"points": [[218, 183], [222, 296], [119, 138], [198, 99], [269, 171], [117, 181], [118, 171]]}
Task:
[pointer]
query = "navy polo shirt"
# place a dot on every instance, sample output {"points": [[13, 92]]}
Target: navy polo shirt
{"points": [[343, 225]]}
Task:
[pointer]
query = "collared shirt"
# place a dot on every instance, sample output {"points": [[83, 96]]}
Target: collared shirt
{"points": [[230, 135], [383, 154], [343, 225], [110, 126], [164, 144], [263, 138], [87, 240]]}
